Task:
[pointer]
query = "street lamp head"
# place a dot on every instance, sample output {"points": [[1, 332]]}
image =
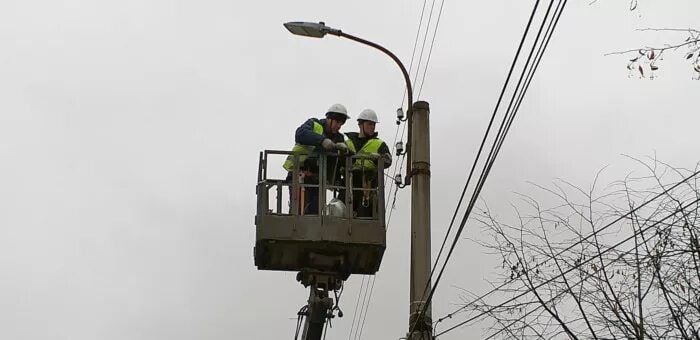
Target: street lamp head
{"points": [[310, 29]]}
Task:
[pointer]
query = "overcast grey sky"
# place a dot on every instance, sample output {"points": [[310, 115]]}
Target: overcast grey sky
{"points": [[130, 131]]}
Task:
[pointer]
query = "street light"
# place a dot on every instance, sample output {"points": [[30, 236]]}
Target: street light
{"points": [[420, 311], [319, 30], [310, 29]]}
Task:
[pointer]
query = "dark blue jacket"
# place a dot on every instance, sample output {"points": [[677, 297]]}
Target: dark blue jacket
{"points": [[305, 134]]}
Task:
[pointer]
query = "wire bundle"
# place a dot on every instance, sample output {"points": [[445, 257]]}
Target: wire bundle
{"points": [[539, 45], [364, 296]]}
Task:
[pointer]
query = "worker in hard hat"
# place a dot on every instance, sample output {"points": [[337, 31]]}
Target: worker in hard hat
{"points": [[369, 149], [317, 135]]}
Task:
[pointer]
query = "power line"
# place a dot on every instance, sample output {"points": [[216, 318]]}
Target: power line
{"points": [[575, 266], [373, 278], [528, 79], [695, 174], [362, 307], [510, 114], [357, 303], [483, 141], [363, 315], [425, 69], [508, 119], [413, 54], [504, 127], [425, 38], [430, 52], [476, 160], [588, 275]]}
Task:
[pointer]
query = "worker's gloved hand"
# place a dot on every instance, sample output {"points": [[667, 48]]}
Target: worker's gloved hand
{"points": [[342, 147], [387, 160], [328, 144]]}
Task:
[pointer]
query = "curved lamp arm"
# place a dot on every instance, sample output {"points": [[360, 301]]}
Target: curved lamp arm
{"points": [[319, 30]]}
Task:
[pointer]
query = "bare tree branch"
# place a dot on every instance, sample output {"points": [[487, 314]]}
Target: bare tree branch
{"points": [[567, 278]]}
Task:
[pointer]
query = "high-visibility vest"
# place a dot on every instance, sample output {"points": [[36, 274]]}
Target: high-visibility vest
{"points": [[302, 151], [364, 163]]}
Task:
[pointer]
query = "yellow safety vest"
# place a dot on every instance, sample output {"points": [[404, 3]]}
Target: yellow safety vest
{"points": [[302, 151], [364, 163]]}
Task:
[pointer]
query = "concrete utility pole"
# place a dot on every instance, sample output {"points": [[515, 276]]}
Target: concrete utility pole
{"points": [[420, 224]]}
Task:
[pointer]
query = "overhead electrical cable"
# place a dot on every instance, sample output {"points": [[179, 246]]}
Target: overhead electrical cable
{"points": [[425, 39], [357, 303], [588, 276], [509, 122], [528, 79], [500, 136], [398, 167], [425, 70], [373, 278], [486, 134], [430, 51], [584, 239], [415, 45], [483, 141], [576, 266]]}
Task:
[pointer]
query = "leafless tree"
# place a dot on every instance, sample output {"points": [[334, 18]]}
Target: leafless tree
{"points": [[618, 262], [649, 57], [646, 61]]}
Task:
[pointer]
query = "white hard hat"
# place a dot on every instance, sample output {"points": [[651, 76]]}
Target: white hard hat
{"points": [[368, 114], [338, 109]]}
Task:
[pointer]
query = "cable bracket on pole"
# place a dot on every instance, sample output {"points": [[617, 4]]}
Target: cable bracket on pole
{"points": [[420, 168]]}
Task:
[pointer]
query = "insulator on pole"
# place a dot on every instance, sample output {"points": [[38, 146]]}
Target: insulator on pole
{"points": [[398, 179], [399, 115], [399, 148]]}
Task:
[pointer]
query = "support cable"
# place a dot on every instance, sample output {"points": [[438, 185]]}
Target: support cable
{"points": [[575, 244], [425, 39], [391, 183], [483, 142], [300, 319], [528, 69], [430, 51], [357, 303], [425, 69], [564, 292], [575, 266]]}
